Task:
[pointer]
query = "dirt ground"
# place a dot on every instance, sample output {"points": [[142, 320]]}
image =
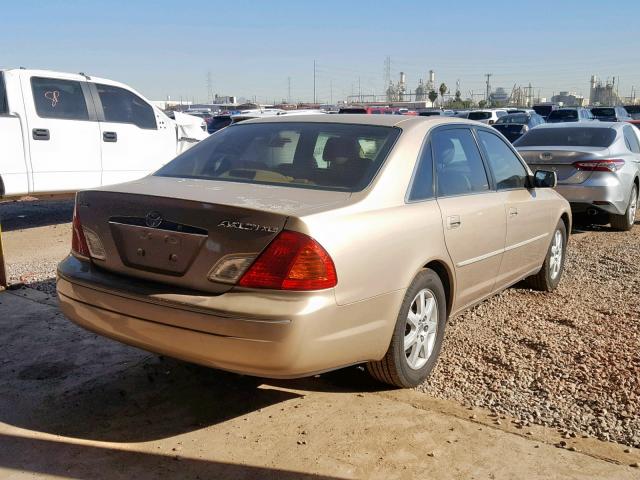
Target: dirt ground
{"points": [[76, 405]]}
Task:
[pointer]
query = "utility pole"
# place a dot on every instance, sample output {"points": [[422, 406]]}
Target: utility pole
{"points": [[359, 91], [530, 99], [314, 82], [289, 89], [331, 92], [488, 75]]}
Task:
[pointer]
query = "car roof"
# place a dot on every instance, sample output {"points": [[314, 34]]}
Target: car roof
{"points": [[364, 119], [581, 125]]}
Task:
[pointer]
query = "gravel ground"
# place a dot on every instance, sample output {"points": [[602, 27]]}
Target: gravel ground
{"points": [[569, 359]]}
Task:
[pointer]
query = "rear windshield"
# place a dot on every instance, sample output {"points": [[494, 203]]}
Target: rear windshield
{"points": [[479, 115], [429, 114], [516, 118], [632, 109], [604, 112], [3, 95], [353, 110], [563, 115], [543, 110], [567, 137], [324, 156]]}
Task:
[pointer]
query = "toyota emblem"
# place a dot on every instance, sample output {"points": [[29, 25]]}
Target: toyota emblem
{"points": [[153, 219]]}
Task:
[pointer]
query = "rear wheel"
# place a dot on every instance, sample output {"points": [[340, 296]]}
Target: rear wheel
{"points": [[625, 222], [548, 278], [417, 337]]}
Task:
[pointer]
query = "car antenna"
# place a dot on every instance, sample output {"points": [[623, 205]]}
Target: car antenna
{"points": [[84, 75]]}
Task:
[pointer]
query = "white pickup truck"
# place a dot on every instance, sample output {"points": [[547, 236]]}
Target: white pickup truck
{"points": [[62, 132]]}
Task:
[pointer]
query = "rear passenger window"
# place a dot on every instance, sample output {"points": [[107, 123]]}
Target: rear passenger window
{"points": [[55, 98], [422, 187], [506, 166], [4, 108], [631, 139], [122, 106], [459, 166]]}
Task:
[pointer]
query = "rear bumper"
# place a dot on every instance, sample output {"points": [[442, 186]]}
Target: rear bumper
{"points": [[612, 199], [270, 334]]}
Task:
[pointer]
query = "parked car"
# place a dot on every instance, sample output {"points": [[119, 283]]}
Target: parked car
{"points": [[544, 109], [633, 110], [432, 113], [353, 109], [610, 114], [63, 132], [489, 117], [218, 122], [514, 125], [252, 252], [598, 167], [574, 114]]}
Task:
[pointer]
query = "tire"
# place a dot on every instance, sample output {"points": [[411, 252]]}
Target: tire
{"points": [[404, 370], [548, 278], [625, 222]]}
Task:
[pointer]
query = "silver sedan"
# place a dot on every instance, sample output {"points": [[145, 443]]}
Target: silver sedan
{"points": [[597, 164]]}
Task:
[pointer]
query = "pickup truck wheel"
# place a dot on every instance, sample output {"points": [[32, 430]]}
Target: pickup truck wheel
{"points": [[625, 222], [417, 337], [548, 278]]}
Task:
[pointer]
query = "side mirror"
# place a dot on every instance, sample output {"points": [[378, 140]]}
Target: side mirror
{"points": [[545, 179]]}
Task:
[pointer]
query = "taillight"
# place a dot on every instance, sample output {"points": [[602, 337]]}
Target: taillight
{"points": [[292, 261], [605, 165], [78, 242]]}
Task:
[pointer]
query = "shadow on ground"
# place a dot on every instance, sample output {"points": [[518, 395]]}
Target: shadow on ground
{"points": [[35, 213], [60, 458]]}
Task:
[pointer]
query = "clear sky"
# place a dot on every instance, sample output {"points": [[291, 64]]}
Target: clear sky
{"points": [[252, 47]]}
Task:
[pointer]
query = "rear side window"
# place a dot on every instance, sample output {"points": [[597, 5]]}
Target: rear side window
{"points": [[422, 187], [507, 169], [4, 108], [631, 139], [122, 106], [56, 98], [459, 166], [325, 156], [567, 137]]}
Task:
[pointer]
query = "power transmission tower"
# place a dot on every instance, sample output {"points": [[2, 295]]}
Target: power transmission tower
{"points": [[209, 87], [387, 73], [488, 75]]}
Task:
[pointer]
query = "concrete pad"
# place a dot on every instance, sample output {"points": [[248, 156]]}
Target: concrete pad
{"points": [[75, 405]]}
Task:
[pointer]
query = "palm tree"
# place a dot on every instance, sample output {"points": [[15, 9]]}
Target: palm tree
{"points": [[443, 89], [433, 96]]}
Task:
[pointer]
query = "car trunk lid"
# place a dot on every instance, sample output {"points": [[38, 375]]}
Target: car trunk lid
{"points": [[177, 239], [561, 160]]}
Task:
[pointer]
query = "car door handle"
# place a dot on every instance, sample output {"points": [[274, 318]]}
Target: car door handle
{"points": [[40, 134], [453, 221], [109, 136], [513, 212]]}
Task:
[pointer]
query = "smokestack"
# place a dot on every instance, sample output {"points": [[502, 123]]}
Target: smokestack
{"points": [[432, 76], [402, 78]]}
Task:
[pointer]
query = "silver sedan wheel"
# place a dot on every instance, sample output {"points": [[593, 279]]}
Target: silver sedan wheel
{"points": [[555, 261], [633, 206], [421, 329]]}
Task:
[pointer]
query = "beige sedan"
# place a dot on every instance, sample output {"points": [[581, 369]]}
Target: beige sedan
{"points": [[285, 247]]}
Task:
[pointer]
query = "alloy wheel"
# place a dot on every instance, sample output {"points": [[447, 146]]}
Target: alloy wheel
{"points": [[555, 259], [421, 329]]}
